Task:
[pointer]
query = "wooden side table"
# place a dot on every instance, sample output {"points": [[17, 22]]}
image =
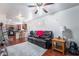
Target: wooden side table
{"points": [[58, 44]]}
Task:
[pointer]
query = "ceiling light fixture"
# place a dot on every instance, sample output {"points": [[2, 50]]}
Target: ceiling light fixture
{"points": [[39, 5], [19, 16]]}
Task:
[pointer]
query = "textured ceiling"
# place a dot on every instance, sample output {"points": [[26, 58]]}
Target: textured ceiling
{"points": [[11, 10]]}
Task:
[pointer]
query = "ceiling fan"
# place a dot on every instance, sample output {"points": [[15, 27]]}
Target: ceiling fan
{"points": [[39, 5]]}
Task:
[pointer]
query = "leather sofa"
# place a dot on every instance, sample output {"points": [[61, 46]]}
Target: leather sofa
{"points": [[44, 41]]}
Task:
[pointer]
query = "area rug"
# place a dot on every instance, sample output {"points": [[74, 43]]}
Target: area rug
{"points": [[25, 49]]}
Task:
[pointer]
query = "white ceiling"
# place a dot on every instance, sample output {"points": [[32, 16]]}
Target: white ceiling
{"points": [[11, 10]]}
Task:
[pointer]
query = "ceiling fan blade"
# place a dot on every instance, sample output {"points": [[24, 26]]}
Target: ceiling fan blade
{"points": [[31, 6], [45, 10], [36, 11], [39, 4], [48, 4]]}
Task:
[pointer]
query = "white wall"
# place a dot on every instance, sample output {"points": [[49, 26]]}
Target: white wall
{"points": [[68, 18], [55, 22], [37, 24], [2, 18]]}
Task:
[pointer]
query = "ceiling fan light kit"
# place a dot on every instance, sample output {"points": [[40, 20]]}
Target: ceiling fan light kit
{"points": [[36, 11], [45, 10], [39, 5]]}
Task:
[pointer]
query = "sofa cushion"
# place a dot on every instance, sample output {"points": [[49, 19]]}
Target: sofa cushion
{"points": [[40, 33], [33, 34], [47, 34]]}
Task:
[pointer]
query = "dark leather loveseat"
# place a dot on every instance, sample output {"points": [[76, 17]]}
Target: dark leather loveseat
{"points": [[43, 41]]}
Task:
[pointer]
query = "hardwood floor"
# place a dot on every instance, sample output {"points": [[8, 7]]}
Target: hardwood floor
{"points": [[13, 41], [49, 52], [16, 41]]}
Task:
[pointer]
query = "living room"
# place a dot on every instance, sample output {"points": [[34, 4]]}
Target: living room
{"points": [[39, 29]]}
